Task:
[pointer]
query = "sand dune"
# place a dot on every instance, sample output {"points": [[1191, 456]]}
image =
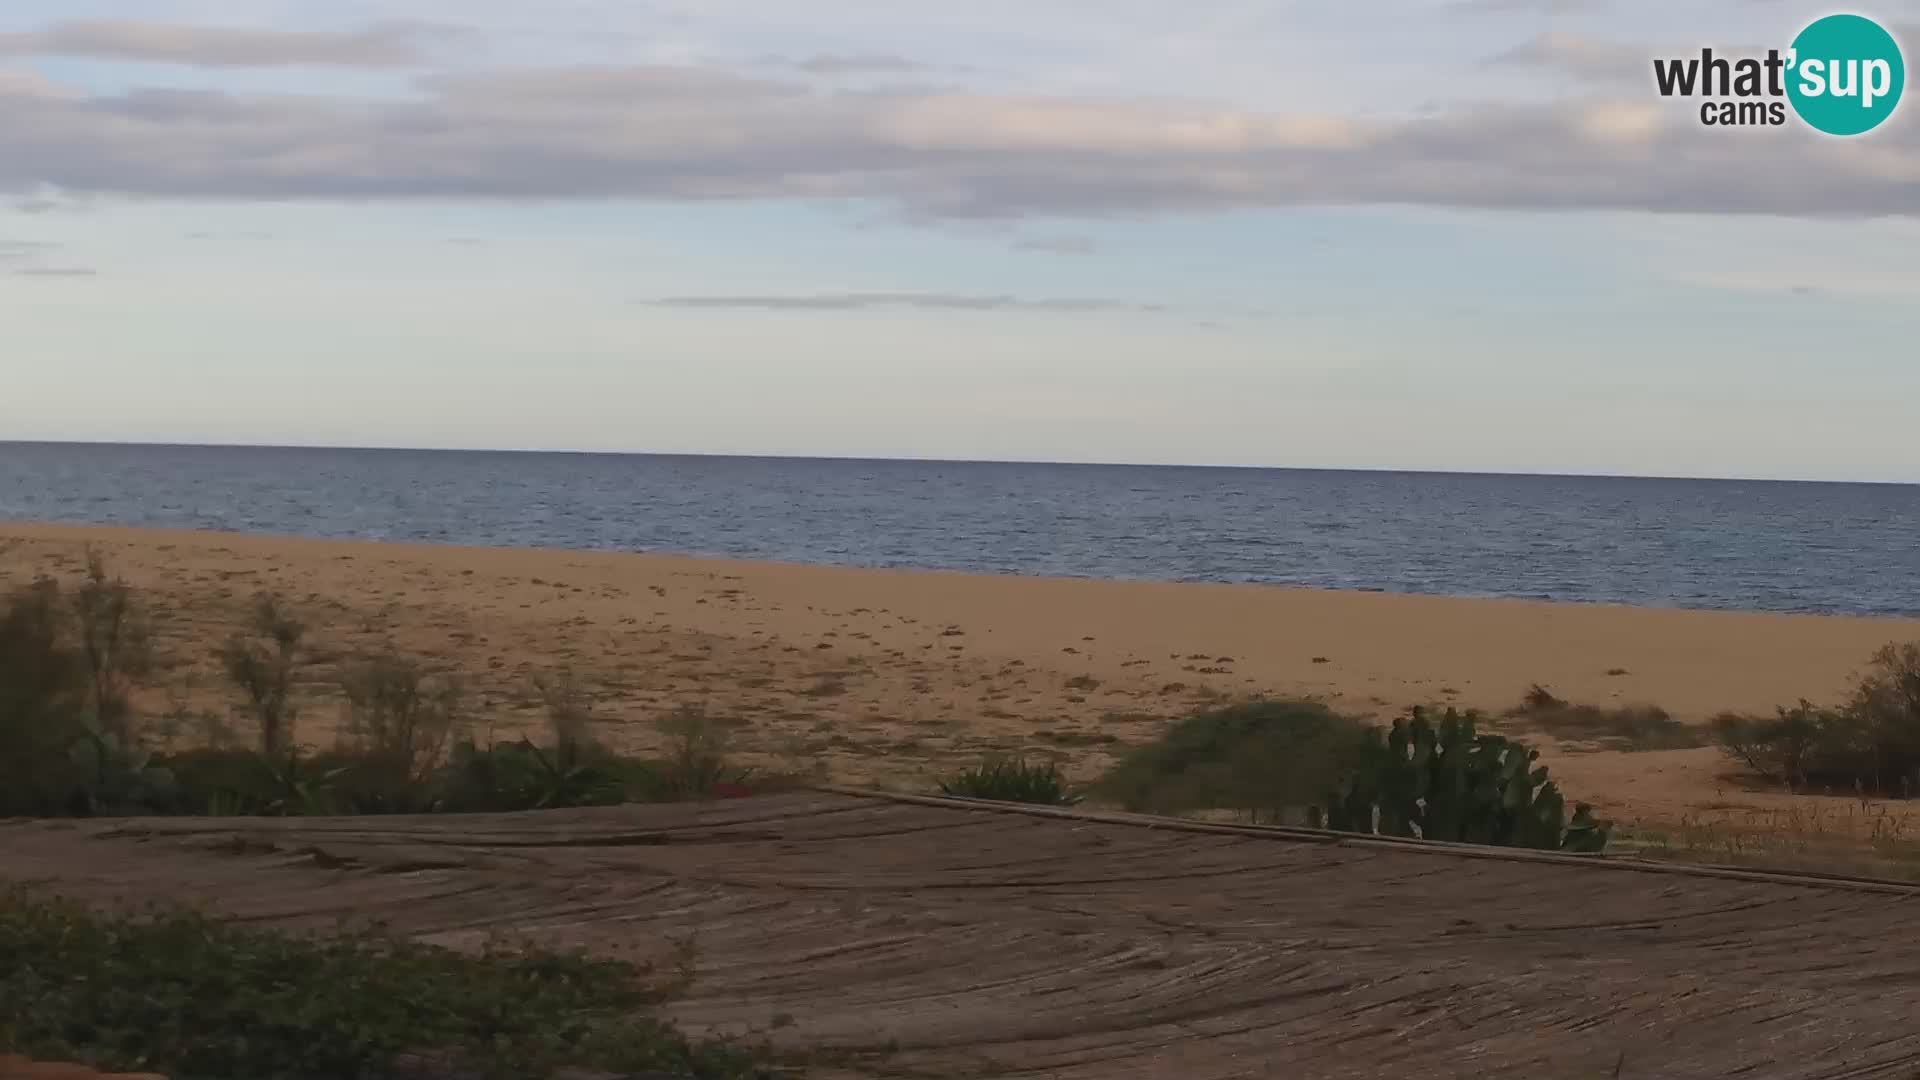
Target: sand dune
{"points": [[878, 676]]}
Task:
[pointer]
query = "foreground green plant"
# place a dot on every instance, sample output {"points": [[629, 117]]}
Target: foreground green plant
{"points": [[1446, 781], [1011, 780], [200, 999], [1265, 759]]}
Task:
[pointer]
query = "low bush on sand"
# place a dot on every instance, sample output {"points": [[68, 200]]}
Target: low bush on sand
{"points": [[198, 999], [1267, 760], [1870, 744], [1011, 779], [1299, 761], [1619, 727]]}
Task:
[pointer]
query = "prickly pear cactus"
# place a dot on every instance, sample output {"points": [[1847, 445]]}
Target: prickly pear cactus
{"points": [[1446, 781]]}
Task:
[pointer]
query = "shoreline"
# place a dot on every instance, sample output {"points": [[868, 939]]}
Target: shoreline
{"points": [[63, 530]]}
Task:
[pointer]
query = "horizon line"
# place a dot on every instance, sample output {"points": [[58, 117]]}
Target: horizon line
{"points": [[550, 451]]}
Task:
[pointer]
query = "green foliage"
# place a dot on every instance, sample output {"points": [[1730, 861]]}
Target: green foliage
{"points": [[523, 776], [1779, 747], [697, 764], [113, 647], [1871, 744], [196, 998], [115, 777], [1005, 779], [1266, 759], [42, 702], [1446, 781], [245, 783]]}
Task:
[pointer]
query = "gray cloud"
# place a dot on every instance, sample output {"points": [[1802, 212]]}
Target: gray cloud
{"points": [[695, 134], [389, 45], [860, 301], [1584, 57], [57, 272], [857, 64], [1057, 245], [14, 250], [1545, 7]]}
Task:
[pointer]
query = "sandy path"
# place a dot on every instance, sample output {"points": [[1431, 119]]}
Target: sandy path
{"points": [[875, 676], [915, 940]]}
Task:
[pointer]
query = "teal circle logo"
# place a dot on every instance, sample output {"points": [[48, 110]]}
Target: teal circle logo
{"points": [[1846, 74]]}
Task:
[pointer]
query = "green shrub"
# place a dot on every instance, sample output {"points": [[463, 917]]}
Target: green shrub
{"points": [[523, 776], [246, 783], [1780, 747], [697, 763], [193, 997], [1886, 705], [42, 702], [1446, 781], [1267, 759], [1011, 780], [113, 646], [1871, 744]]}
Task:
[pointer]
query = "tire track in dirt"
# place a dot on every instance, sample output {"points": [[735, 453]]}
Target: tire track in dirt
{"points": [[927, 937]]}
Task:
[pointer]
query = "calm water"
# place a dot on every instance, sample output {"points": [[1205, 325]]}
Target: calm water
{"points": [[1691, 543]]}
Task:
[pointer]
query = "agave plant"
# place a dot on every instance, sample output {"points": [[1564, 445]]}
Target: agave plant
{"points": [[120, 778], [1011, 780]]}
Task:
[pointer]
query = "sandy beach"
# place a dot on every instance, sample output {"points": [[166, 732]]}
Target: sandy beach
{"points": [[892, 677]]}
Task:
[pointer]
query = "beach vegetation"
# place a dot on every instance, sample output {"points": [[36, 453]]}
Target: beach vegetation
{"points": [[173, 991], [1263, 760], [1620, 727], [1443, 779], [1012, 779], [1301, 762], [72, 744], [1867, 745], [262, 662]]}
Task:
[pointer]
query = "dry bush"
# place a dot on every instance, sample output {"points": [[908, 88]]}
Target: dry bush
{"points": [[400, 718], [1621, 727], [262, 663]]}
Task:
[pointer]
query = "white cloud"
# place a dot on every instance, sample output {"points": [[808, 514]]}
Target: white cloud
{"points": [[688, 132]]}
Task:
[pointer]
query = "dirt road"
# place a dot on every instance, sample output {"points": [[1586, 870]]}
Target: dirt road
{"points": [[911, 938]]}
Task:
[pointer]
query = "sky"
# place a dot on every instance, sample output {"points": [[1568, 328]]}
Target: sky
{"points": [[1429, 234]]}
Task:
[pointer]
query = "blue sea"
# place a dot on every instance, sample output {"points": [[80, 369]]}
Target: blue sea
{"points": [[1757, 545]]}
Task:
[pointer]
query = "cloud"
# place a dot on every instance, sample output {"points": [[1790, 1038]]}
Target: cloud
{"points": [[857, 64], [57, 272], [388, 45], [1057, 245], [1544, 7], [864, 301], [1584, 57], [680, 133], [13, 250]]}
